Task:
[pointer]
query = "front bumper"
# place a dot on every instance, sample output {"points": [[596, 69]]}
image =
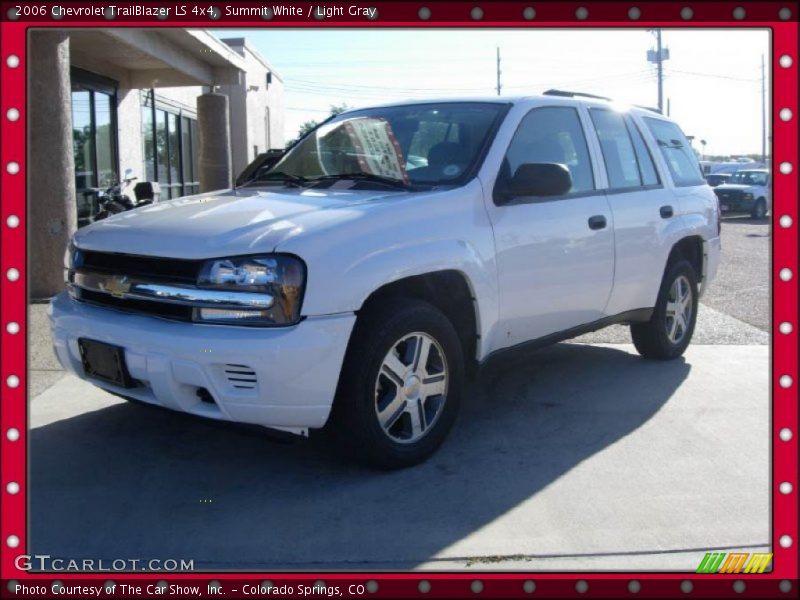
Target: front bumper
{"points": [[295, 369], [735, 203]]}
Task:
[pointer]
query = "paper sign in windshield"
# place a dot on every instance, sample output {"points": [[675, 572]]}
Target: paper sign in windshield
{"points": [[377, 149]]}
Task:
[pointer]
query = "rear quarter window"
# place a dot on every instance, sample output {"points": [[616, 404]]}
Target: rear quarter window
{"points": [[677, 152]]}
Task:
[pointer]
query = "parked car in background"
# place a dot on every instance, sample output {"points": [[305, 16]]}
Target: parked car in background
{"points": [[747, 191], [715, 179], [393, 250]]}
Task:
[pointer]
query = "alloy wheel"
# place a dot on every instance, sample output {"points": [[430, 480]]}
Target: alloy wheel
{"points": [[411, 387], [679, 309]]}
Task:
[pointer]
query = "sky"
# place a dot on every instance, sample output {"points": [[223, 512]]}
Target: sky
{"points": [[712, 78]]}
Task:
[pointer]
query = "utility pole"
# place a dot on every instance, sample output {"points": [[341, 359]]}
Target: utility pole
{"points": [[658, 56], [660, 66], [498, 71], [763, 115]]}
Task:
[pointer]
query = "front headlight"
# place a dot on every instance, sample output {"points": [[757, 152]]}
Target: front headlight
{"points": [[279, 276], [73, 258]]}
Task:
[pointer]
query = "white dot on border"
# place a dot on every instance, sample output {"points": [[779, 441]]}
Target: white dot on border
{"points": [[424, 13], [739, 13], [634, 13], [785, 328], [12, 487], [12, 434], [12, 274], [372, 586], [582, 587], [785, 541], [785, 274], [785, 61], [785, 434], [13, 61], [424, 587], [12, 221], [529, 13], [12, 328], [785, 14], [785, 114], [12, 381], [12, 541], [785, 381], [687, 587], [581, 13], [785, 221], [786, 168], [12, 168], [529, 587], [634, 587], [785, 488], [739, 586], [476, 13], [476, 586], [686, 13], [785, 586], [12, 114]]}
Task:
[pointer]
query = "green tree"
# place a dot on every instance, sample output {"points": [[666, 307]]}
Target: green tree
{"points": [[335, 109]]}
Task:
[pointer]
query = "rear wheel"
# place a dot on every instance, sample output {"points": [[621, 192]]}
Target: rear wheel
{"points": [[669, 331], [760, 209], [400, 386]]}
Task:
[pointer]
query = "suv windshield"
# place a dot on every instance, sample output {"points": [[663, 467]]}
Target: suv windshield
{"points": [[398, 146], [749, 178]]}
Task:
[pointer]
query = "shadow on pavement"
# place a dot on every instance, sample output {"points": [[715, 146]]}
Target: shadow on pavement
{"points": [[133, 481]]}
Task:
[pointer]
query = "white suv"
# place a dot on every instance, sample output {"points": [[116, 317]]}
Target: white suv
{"points": [[391, 251]]}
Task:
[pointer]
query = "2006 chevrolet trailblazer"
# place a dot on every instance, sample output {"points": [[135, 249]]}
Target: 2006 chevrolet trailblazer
{"points": [[355, 282]]}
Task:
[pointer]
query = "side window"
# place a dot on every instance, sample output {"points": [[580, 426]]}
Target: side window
{"points": [[646, 166], [551, 134], [618, 152], [678, 154]]}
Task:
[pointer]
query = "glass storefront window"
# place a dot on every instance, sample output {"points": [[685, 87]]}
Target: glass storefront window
{"points": [[104, 139], [82, 139], [170, 152]]}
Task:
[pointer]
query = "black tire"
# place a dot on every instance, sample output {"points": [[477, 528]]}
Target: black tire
{"points": [[652, 339], [354, 425], [759, 210]]}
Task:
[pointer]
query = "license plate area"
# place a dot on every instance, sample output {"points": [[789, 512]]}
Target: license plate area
{"points": [[105, 362]]}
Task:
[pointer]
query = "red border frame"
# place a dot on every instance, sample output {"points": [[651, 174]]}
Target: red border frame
{"points": [[13, 298]]}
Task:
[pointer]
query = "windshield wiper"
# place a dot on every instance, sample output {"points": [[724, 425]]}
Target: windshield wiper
{"points": [[284, 177], [362, 176]]}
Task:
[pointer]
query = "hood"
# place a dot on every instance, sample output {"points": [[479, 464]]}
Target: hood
{"points": [[732, 187], [227, 223]]}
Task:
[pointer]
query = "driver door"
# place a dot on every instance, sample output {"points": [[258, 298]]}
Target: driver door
{"points": [[555, 255]]}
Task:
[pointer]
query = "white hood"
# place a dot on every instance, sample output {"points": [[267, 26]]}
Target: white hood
{"points": [[229, 222]]}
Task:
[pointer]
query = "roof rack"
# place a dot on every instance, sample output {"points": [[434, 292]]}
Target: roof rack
{"points": [[573, 94]]}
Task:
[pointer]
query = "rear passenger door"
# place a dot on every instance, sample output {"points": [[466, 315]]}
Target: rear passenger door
{"points": [[643, 210], [555, 254]]}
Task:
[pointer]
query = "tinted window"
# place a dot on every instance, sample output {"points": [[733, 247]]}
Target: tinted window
{"points": [[678, 154], [618, 153], [551, 135], [646, 167]]}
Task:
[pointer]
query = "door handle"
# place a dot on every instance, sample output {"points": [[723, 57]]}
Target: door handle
{"points": [[666, 212], [597, 222]]}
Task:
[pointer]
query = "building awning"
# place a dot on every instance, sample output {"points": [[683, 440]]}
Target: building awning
{"points": [[147, 58]]}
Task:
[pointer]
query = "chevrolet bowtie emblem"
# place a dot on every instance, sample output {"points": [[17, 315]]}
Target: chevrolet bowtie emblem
{"points": [[117, 286]]}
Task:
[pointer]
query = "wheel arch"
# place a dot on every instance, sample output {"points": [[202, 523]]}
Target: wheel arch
{"points": [[450, 291]]}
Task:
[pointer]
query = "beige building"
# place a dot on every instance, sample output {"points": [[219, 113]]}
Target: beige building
{"points": [[176, 106]]}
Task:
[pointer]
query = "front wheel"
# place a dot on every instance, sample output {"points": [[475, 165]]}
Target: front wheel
{"points": [[400, 386], [669, 331], [759, 210]]}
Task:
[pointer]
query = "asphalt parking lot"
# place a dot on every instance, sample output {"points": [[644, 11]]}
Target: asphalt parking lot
{"points": [[580, 456]]}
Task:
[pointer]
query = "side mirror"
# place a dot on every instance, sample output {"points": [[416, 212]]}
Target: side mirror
{"points": [[538, 179]]}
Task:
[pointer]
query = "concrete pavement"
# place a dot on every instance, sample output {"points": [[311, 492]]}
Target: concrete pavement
{"points": [[573, 457]]}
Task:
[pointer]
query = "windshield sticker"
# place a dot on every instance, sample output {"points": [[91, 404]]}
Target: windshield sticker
{"points": [[451, 170], [377, 149]]}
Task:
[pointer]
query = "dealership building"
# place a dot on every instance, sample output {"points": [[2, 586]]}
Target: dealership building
{"points": [[179, 107]]}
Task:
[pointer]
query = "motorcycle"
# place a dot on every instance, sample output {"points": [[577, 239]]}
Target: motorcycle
{"points": [[117, 197]]}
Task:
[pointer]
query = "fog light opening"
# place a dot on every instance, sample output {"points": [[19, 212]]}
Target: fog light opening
{"points": [[205, 396]]}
